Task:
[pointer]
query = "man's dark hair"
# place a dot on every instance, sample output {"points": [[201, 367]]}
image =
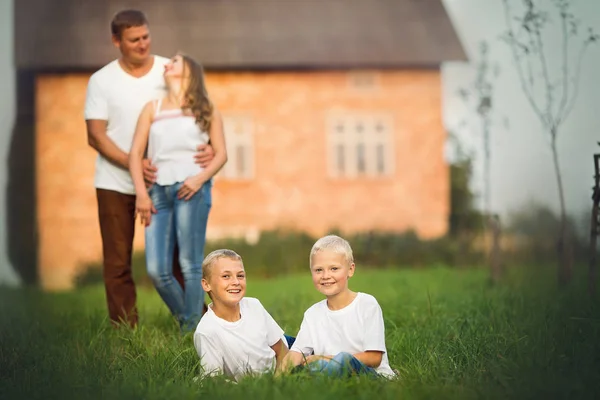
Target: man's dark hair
{"points": [[127, 19]]}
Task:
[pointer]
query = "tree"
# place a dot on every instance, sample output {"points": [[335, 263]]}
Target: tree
{"points": [[552, 98], [480, 96], [482, 90]]}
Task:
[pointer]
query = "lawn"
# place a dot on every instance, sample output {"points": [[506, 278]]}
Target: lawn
{"points": [[448, 332]]}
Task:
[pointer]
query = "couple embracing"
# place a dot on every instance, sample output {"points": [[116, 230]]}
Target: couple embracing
{"points": [[160, 141]]}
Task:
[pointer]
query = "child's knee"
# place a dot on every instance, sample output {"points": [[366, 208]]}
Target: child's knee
{"points": [[343, 358]]}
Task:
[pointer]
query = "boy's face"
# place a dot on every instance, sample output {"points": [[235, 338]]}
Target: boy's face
{"points": [[227, 282], [330, 272]]}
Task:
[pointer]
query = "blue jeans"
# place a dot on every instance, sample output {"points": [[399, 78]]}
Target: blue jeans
{"points": [[341, 365], [185, 222], [290, 341]]}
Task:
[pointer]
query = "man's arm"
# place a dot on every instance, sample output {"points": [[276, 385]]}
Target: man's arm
{"points": [[205, 154], [99, 141]]}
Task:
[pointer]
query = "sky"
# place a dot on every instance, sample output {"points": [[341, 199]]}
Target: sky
{"points": [[521, 160]]}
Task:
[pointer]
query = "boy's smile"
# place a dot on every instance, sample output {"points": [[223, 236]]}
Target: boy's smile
{"points": [[227, 282], [330, 272]]}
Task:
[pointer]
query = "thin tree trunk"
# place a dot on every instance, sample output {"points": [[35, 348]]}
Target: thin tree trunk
{"points": [[495, 253], [565, 259], [486, 168], [593, 272], [593, 268]]}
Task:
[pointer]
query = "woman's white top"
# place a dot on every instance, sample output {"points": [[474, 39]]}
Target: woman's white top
{"points": [[172, 144]]}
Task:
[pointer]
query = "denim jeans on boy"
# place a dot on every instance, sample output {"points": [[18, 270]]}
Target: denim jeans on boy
{"points": [[185, 222], [341, 365]]}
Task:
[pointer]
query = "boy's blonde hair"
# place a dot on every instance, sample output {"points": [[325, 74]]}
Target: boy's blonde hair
{"points": [[213, 257], [334, 244]]}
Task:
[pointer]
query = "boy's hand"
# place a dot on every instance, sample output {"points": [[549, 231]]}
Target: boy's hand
{"points": [[290, 360], [313, 358]]}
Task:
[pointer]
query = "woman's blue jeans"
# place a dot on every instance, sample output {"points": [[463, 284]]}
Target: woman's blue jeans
{"points": [[185, 222]]}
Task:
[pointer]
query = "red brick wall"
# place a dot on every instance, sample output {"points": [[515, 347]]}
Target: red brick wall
{"points": [[291, 186]]}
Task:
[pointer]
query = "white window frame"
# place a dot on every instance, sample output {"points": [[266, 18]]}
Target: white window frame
{"points": [[376, 138]]}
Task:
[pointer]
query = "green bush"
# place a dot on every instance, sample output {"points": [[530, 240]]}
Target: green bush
{"points": [[283, 252], [535, 229]]}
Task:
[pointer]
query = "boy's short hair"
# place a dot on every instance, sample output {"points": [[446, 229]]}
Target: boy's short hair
{"points": [[127, 19], [334, 244], [213, 257]]}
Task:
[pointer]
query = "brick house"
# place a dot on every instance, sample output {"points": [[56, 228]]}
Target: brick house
{"points": [[332, 112]]}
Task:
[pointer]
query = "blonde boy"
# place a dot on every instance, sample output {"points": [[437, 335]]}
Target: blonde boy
{"points": [[236, 336], [344, 333]]}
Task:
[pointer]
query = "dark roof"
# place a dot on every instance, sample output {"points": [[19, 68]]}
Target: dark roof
{"points": [[57, 34]]}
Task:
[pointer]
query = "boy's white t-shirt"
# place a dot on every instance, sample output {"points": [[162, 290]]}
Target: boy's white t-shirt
{"points": [[115, 96], [355, 328], [241, 347]]}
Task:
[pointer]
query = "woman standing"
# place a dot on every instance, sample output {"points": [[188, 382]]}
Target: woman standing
{"points": [[176, 207]]}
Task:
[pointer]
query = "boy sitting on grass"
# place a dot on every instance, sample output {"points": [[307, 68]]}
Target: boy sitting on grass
{"points": [[343, 334], [236, 336]]}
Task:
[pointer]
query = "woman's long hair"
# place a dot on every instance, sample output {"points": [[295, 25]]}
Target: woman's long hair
{"points": [[196, 95]]}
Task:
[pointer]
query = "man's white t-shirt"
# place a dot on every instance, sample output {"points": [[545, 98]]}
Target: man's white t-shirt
{"points": [[241, 347], [355, 328], [115, 96]]}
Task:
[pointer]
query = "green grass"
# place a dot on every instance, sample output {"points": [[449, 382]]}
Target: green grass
{"points": [[448, 332]]}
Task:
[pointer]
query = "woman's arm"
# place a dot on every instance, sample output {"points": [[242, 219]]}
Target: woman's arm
{"points": [[217, 139], [140, 140]]}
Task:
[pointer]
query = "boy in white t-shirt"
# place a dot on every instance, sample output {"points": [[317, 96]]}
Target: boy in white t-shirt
{"points": [[343, 334], [236, 336]]}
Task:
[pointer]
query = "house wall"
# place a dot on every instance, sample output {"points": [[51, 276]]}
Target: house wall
{"points": [[290, 185]]}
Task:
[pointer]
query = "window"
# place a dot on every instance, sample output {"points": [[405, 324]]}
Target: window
{"points": [[360, 145], [363, 81], [239, 139]]}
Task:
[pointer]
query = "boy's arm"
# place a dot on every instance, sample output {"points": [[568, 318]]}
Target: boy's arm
{"points": [[210, 361], [370, 358], [280, 353], [274, 335], [300, 352], [374, 339], [291, 359]]}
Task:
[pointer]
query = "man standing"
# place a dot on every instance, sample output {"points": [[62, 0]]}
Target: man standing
{"points": [[116, 95]]}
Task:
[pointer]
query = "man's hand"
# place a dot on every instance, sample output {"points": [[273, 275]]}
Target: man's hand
{"points": [[149, 172], [204, 155]]}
